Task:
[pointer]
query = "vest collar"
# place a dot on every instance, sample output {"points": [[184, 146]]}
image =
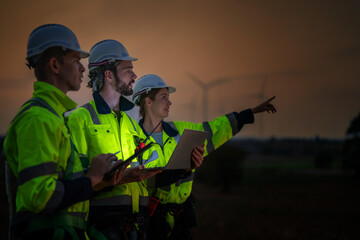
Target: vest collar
{"points": [[171, 132], [58, 100], [103, 108]]}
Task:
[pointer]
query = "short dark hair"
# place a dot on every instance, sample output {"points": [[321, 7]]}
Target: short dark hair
{"points": [[100, 71], [41, 73], [151, 94]]}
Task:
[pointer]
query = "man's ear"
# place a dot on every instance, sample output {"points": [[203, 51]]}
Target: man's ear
{"points": [[148, 101], [54, 65], [108, 76]]}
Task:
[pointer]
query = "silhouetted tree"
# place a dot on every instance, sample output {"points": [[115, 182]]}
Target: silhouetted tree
{"points": [[351, 150]]}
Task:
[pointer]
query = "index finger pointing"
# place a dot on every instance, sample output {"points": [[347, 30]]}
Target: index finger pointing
{"points": [[270, 99]]}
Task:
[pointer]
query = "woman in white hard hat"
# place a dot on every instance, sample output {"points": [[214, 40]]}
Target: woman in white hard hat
{"points": [[173, 214]]}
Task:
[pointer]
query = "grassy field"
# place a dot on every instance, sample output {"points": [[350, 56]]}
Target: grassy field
{"points": [[279, 199]]}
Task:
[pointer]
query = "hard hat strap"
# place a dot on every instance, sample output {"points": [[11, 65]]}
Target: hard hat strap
{"points": [[146, 90], [101, 63]]}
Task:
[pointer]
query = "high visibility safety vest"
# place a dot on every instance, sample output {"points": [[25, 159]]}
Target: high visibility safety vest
{"points": [[39, 152], [96, 129], [220, 130]]}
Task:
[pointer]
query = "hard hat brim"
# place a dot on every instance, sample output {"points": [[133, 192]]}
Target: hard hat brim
{"points": [[83, 54], [171, 89], [128, 58]]}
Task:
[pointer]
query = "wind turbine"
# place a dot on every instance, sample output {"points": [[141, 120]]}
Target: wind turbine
{"points": [[205, 90], [262, 77], [190, 108]]}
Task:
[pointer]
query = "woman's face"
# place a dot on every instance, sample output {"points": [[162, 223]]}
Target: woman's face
{"points": [[160, 106]]}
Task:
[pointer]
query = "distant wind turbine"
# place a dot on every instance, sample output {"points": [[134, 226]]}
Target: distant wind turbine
{"points": [[205, 89], [190, 108], [260, 95]]}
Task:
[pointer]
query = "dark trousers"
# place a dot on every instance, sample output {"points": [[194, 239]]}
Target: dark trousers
{"points": [[119, 223], [185, 221]]}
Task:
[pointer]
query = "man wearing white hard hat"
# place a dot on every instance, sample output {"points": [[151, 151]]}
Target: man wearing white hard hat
{"points": [[52, 190], [102, 126]]}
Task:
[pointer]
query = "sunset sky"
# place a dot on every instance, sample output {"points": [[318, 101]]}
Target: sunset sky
{"points": [[307, 53]]}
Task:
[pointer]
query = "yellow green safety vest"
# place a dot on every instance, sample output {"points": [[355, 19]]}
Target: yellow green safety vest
{"points": [[38, 150], [96, 129]]}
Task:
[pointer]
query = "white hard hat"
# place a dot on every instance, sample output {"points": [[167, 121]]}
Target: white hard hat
{"points": [[52, 35], [146, 83], [107, 51]]}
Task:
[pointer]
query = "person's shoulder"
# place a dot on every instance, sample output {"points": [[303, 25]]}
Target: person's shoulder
{"points": [[80, 111], [37, 113], [79, 116], [34, 118], [133, 122]]}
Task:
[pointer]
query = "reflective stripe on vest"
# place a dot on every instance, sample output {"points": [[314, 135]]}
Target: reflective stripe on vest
{"points": [[132, 124], [187, 179], [166, 188], [94, 117], [119, 200], [36, 102], [209, 145], [36, 171], [68, 175], [153, 157], [233, 123], [56, 197], [112, 201], [177, 137], [180, 181]]}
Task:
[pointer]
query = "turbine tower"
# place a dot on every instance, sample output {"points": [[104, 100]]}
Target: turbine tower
{"points": [[205, 91], [263, 78]]}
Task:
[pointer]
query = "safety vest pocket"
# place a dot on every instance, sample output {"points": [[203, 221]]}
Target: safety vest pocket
{"points": [[102, 138], [103, 129], [184, 188]]}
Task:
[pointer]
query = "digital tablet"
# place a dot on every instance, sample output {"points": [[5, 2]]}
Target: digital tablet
{"points": [[181, 157]]}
